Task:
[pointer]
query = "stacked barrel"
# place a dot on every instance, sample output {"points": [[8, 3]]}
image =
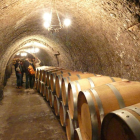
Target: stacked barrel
{"points": [[84, 102]]}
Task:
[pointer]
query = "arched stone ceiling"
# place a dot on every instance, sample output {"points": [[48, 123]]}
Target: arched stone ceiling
{"points": [[104, 36]]}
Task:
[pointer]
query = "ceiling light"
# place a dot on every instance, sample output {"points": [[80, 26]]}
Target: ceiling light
{"points": [[67, 22], [46, 24], [52, 20], [47, 17], [36, 50]]}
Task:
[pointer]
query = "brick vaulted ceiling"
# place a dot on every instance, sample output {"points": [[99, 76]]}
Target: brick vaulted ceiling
{"points": [[104, 36]]}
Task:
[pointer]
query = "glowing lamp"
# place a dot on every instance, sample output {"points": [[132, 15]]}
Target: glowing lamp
{"points": [[67, 22]]}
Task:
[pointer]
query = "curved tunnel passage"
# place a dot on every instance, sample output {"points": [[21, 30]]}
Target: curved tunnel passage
{"points": [[104, 36]]}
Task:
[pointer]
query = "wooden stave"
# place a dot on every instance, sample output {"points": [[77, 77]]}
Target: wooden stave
{"points": [[56, 106], [47, 93], [41, 87], [62, 113], [43, 90], [51, 99], [69, 127]]}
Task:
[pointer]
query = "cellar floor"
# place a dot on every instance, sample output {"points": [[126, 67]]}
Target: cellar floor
{"points": [[25, 115]]}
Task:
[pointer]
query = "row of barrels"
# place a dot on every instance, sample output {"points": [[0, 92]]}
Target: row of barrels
{"points": [[85, 101]]}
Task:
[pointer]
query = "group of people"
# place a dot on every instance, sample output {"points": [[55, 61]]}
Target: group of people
{"points": [[28, 67]]}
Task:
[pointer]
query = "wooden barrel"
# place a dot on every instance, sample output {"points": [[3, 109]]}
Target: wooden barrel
{"points": [[56, 106], [49, 74], [37, 84], [39, 70], [63, 111], [77, 134], [83, 84], [42, 71], [51, 99], [47, 93], [41, 87], [41, 74], [59, 81], [122, 124], [53, 78], [94, 104], [66, 80], [69, 127], [45, 72], [36, 74], [43, 91]]}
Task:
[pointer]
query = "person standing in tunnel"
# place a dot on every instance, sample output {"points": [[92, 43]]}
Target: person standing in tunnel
{"points": [[34, 67], [29, 76], [18, 70], [25, 66], [22, 73]]}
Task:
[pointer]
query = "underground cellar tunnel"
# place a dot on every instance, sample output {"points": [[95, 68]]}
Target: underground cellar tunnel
{"points": [[103, 37]]}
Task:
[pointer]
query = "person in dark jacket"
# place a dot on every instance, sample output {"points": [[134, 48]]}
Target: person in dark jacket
{"points": [[22, 73], [29, 77], [34, 67], [25, 67], [18, 70]]}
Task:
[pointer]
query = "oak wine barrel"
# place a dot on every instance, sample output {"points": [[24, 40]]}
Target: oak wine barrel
{"points": [[42, 87], [56, 106], [51, 99], [53, 78], [58, 80], [49, 75], [62, 113], [94, 104], [37, 84], [45, 72], [66, 80], [69, 127], [38, 71], [47, 93], [41, 71], [122, 124], [75, 86], [43, 90]]}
